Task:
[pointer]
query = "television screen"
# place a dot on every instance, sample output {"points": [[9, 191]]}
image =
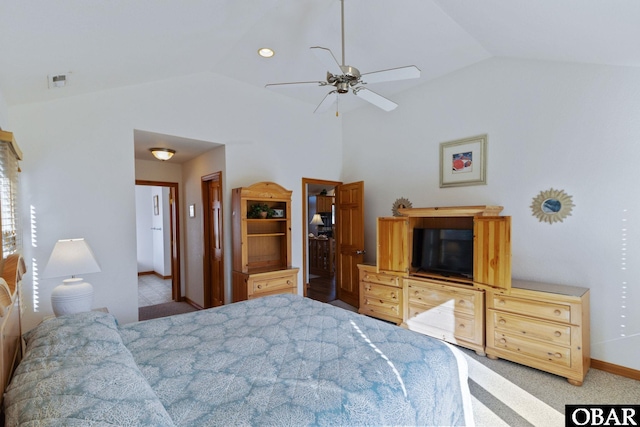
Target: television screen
{"points": [[444, 251]]}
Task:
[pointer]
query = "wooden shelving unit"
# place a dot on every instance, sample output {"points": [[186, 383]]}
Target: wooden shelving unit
{"points": [[262, 246]]}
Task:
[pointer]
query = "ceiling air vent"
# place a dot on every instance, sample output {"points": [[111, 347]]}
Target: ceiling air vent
{"points": [[58, 80]]}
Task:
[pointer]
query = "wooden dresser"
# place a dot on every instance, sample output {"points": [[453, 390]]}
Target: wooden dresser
{"points": [[322, 256], [541, 325], [449, 311], [250, 286], [381, 294]]}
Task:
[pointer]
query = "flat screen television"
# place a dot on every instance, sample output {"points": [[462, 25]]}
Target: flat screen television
{"points": [[448, 252]]}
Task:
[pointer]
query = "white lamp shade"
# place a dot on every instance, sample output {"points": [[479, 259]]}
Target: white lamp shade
{"points": [[316, 220], [71, 257]]}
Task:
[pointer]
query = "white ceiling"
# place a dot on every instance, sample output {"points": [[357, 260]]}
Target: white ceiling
{"points": [[111, 43]]}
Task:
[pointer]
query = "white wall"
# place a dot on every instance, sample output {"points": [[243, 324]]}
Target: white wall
{"points": [[550, 125], [144, 234], [4, 113], [79, 177], [194, 170], [161, 233]]}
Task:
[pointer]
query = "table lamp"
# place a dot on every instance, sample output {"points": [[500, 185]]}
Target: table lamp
{"points": [[317, 221], [69, 258]]}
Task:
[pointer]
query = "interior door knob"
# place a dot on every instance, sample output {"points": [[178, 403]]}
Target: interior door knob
{"points": [[359, 252]]}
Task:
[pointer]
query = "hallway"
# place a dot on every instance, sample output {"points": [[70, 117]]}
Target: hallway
{"points": [[153, 290]]}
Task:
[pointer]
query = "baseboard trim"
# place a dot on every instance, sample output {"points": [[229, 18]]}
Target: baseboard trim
{"points": [[192, 304], [146, 273], [623, 371]]}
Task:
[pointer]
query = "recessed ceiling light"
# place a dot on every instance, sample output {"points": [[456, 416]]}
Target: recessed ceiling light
{"points": [[266, 52]]}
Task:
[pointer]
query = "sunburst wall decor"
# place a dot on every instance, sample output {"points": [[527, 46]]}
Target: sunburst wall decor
{"points": [[552, 206], [400, 203]]}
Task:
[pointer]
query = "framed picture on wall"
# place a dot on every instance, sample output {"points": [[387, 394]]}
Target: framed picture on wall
{"points": [[156, 206], [463, 162]]}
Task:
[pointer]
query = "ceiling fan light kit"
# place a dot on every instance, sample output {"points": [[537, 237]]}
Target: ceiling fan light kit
{"points": [[345, 77]]}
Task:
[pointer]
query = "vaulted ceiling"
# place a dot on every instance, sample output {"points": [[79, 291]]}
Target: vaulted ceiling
{"points": [[110, 43]]}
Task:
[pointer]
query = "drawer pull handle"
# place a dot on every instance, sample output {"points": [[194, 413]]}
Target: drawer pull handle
{"points": [[503, 341], [259, 286], [558, 333], [557, 312], [461, 302], [289, 282], [501, 302], [558, 355], [461, 326], [393, 294], [502, 321]]}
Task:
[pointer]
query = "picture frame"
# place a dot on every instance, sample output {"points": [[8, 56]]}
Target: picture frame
{"points": [[278, 213], [156, 205], [463, 162]]}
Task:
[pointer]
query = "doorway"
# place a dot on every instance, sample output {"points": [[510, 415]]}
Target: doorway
{"points": [[347, 233], [320, 272], [213, 264], [158, 239]]}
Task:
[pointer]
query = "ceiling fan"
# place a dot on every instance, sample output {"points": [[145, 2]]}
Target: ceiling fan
{"points": [[345, 77]]}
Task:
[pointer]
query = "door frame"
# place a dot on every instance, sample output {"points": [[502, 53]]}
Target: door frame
{"points": [[305, 227], [208, 294], [174, 224]]}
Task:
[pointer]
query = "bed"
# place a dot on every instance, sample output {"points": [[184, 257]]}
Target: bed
{"points": [[276, 360]]}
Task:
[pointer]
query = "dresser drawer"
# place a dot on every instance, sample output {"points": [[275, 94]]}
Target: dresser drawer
{"points": [[379, 278], [543, 310], [542, 351], [445, 321], [460, 302], [272, 284], [556, 333], [388, 293], [376, 306]]}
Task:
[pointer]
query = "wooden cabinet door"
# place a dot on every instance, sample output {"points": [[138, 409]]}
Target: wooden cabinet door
{"points": [[393, 245], [492, 251], [350, 240]]}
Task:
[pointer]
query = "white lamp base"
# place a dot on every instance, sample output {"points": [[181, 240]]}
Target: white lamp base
{"points": [[72, 296]]}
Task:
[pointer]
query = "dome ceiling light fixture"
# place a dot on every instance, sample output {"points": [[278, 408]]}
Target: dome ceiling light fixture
{"points": [[162, 153]]}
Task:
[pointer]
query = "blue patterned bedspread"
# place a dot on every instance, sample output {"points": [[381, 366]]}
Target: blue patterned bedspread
{"points": [[77, 372], [287, 360]]}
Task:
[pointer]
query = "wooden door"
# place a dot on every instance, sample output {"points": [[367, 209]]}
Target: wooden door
{"points": [[492, 252], [350, 240], [213, 250], [392, 254], [175, 244]]}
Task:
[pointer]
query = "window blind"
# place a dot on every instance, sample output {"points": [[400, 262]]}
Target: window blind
{"points": [[9, 180]]}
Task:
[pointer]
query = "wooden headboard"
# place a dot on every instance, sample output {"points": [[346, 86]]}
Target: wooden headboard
{"points": [[12, 269]]}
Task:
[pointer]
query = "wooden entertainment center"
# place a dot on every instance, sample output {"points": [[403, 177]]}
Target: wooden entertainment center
{"points": [[544, 326]]}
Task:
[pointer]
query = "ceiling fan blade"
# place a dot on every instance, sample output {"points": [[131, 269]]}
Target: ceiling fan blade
{"points": [[327, 102], [377, 100], [317, 83], [327, 58], [402, 73]]}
